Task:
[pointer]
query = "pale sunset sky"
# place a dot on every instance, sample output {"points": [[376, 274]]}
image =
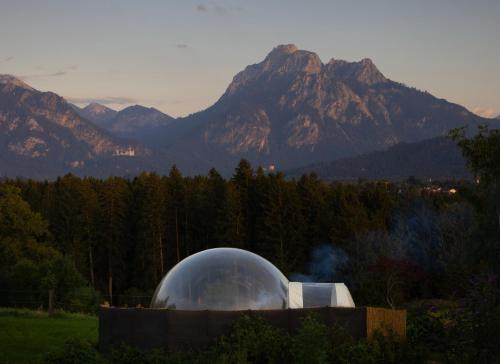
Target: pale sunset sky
{"points": [[179, 56]]}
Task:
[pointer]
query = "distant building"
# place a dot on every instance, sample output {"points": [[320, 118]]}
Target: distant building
{"points": [[124, 152], [76, 164]]}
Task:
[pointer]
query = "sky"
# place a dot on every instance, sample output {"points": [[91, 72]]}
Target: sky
{"points": [[179, 56]]}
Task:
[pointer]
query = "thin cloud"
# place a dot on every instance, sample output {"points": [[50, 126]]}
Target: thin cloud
{"points": [[56, 74], [107, 100], [59, 73], [219, 9], [7, 59], [202, 8], [170, 102], [486, 112], [214, 6], [181, 46]]}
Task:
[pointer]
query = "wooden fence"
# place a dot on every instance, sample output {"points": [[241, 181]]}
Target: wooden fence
{"points": [[175, 330]]}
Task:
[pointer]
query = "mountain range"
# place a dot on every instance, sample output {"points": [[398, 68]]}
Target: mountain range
{"points": [[289, 110], [41, 136], [138, 123]]}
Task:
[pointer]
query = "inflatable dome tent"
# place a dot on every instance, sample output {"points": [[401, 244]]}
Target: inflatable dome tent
{"points": [[229, 279]]}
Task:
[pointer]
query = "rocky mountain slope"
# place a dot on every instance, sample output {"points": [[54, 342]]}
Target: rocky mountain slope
{"points": [[291, 109], [42, 136], [436, 158]]}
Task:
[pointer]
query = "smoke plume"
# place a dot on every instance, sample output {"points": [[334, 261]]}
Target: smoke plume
{"points": [[324, 265]]}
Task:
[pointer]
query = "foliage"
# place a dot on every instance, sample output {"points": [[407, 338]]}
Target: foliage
{"points": [[407, 241], [253, 341], [482, 152], [122, 234], [75, 352], [311, 343]]}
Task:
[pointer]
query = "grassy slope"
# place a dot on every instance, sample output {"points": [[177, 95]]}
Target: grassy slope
{"points": [[26, 336]]}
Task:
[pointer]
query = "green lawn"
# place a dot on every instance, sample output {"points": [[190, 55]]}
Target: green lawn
{"points": [[26, 336]]}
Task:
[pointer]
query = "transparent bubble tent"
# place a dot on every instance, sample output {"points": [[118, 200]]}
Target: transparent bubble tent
{"points": [[229, 279], [225, 279]]}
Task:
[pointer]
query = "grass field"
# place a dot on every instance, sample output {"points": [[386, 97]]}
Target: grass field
{"points": [[26, 335]]}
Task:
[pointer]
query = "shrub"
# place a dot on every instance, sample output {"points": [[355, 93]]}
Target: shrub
{"points": [[75, 352], [252, 341], [126, 355], [84, 299], [312, 343]]}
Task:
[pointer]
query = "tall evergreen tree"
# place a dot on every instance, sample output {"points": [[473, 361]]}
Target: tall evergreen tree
{"points": [[113, 198]]}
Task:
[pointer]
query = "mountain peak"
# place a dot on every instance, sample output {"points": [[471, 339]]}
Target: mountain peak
{"points": [[14, 81], [137, 107], [283, 49], [97, 108], [367, 62], [96, 113], [363, 71], [288, 58], [143, 112], [284, 59]]}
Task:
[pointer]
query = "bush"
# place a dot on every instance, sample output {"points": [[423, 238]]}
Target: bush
{"points": [[75, 352], [84, 299], [252, 341], [312, 342], [126, 355]]}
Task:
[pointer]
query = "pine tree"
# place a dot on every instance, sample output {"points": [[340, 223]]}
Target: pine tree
{"points": [[113, 208]]}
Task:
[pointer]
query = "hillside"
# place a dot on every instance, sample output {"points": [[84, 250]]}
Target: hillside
{"points": [[436, 159]]}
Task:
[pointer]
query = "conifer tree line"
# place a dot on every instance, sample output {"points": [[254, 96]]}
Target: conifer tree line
{"points": [[124, 235]]}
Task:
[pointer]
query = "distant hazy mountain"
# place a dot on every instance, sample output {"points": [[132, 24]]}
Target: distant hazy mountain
{"points": [[138, 123], [291, 109], [42, 136], [437, 158], [498, 117], [97, 113]]}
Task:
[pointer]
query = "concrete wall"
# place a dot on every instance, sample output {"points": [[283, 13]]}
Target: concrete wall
{"points": [[175, 330]]}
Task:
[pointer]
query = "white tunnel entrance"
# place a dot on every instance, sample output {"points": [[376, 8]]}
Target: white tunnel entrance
{"points": [[303, 295]]}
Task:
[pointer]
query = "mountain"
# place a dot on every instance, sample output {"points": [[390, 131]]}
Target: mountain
{"points": [[437, 158], [291, 109], [42, 136], [498, 117], [137, 123], [140, 123], [97, 113]]}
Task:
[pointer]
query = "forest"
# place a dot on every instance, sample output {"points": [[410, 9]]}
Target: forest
{"points": [[409, 244]]}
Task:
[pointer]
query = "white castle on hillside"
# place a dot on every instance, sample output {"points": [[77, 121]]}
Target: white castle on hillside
{"points": [[124, 152]]}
